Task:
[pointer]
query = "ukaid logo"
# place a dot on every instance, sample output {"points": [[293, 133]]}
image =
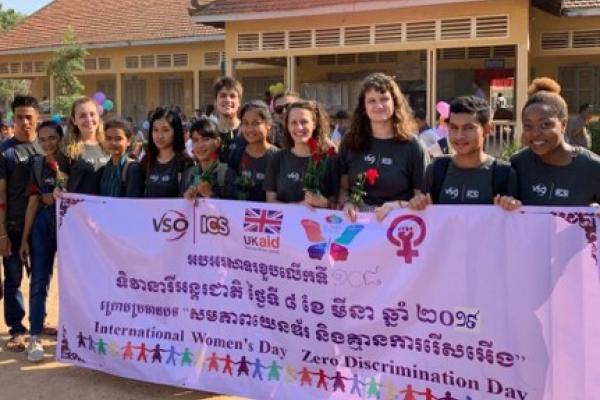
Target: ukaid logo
{"points": [[262, 228], [407, 232], [173, 224], [332, 236]]}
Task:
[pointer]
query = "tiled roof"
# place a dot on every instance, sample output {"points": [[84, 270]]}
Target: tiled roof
{"points": [[105, 22], [218, 7], [581, 3]]}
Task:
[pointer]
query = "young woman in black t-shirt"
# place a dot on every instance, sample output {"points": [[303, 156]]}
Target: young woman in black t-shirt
{"points": [[381, 144], [166, 158], [307, 125]]}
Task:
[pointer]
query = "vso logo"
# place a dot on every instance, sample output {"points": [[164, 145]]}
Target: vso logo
{"points": [[173, 223]]}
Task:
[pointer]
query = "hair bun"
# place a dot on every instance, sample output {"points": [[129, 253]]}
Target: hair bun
{"points": [[543, 85]]}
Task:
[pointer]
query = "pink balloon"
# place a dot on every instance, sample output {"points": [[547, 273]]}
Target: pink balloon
{"points": [[443, 109], [100, 109]]}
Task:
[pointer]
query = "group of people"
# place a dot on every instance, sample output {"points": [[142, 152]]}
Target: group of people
{"points": [[279, 153]]}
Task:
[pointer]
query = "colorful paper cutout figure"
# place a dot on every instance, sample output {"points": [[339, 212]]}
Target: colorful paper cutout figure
{"points": [[373, 390], [81, 340], [290, 373], [128, 351], [274, 371], [257, 369], [409, 393], [142, 354], [113, 348], [186, 358], [356, 383], [322, 382], [338, 382], [157, 354], [101, 347], [228, 363], [200, 359], [305, 377], [243, 367], [213, 362], [448, 396], [390, 391], [172, 355], [428, 394], [92, 344]]}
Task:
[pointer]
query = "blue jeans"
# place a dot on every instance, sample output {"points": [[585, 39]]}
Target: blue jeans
{"points": [[43, 250], [14, 311]]}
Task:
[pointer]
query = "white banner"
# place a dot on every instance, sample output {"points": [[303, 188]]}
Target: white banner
{"points": [[273, 301]]}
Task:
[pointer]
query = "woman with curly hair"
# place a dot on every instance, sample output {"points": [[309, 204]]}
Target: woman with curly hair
{"points": [[551, 172], [306, 136], [381, 144]]}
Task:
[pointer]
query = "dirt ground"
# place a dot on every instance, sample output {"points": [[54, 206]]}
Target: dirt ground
{"points": [[20, 379]]}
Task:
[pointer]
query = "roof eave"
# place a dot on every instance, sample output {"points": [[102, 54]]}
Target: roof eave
{"points": [[124, 43], [374, 5]]}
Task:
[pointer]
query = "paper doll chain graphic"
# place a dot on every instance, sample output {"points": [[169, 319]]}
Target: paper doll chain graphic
{"points": [[252, 368], [587, 222], [65, 204]]}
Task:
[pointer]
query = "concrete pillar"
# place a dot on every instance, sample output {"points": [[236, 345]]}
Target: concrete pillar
{"points": [[119, 93], [521, 84]]}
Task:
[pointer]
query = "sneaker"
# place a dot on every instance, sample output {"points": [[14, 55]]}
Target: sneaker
{"points": [[16, 343], [35, 350]]}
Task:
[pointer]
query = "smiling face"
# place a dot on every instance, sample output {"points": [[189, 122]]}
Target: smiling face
{"points": [[162, 134], [87, 120], [466, 133], [116, 142], [25, 120], [204, 148], [227, 102], [301, 125], [254, 128], [49, 140], [542, 130], [379, 106]]}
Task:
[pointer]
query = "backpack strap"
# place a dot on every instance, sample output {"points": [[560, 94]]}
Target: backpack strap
{"points": [[440, 169], [124, 171], [221, 172], [500, 177]]}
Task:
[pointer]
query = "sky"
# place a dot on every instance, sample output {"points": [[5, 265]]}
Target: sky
{"points": [[24, 6]]}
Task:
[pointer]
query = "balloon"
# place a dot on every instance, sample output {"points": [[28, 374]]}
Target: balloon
{"points": [[9, 115], [280, 87], [56, 118], [108, 105], [443, 108], [272, 89], [99, 97], [100, 110]]}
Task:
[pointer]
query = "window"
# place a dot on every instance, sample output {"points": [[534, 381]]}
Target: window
{"points": [[580, 85]]}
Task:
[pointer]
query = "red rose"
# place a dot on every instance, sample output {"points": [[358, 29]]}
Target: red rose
{"points": [[316, 157], [331, 152], [34, 189], [53, 165], [245, 161], [313, 145], [372, 174]]}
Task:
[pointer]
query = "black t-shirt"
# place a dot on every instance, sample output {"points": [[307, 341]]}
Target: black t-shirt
{"points": [[255, 170], [285, 174], [83, 175], [42, 176], [468, 185], [15, 160], [222, 188], [233, 145], [401, 166], [135, 178], [164, 180], [576, 184]]}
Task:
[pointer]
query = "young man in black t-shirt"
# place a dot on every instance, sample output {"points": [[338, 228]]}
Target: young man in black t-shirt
{"points": [[228, 96], [15, 154]]}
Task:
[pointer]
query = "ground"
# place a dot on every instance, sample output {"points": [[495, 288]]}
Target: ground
{"points": [[20, 379]]}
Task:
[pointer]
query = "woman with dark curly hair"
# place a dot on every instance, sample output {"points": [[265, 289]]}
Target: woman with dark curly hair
{"points": [[306, 133], [382, 144]]}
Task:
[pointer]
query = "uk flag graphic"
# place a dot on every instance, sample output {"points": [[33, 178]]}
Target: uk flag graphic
{"points": [[257, 220]]}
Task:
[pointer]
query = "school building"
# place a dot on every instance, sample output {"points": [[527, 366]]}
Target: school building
{"points": [[150, 53]]}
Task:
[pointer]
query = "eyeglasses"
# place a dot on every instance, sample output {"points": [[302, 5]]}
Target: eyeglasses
{"points": [[280, 109]]}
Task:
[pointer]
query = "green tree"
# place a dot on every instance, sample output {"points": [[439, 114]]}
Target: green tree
{"points": [[67, 60], [10, 87]]}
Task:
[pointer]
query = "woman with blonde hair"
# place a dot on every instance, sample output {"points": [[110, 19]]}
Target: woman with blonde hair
{"points": [[381, 160], [85, 138]]}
